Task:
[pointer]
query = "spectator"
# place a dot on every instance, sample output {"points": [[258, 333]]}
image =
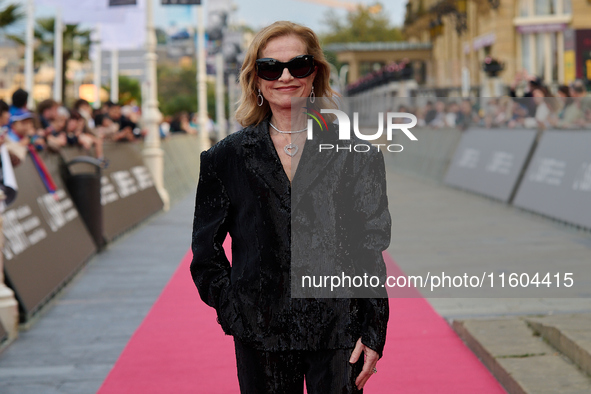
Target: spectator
{"points": [[438, 119], [532, 83], [126, 127], [4, 116], [466, 115], [19, 100], [83, 108], [430, 113], [77, 136], [47, 110], [105, 127], [181, 124]]}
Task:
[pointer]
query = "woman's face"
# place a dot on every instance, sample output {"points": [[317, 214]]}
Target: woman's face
{"points": [[279, 92]]}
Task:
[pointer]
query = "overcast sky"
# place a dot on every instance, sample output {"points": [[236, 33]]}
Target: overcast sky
{"points": [[256, 13]]}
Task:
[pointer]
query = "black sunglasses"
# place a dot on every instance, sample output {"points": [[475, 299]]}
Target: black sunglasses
{"points": [[271, 69]]}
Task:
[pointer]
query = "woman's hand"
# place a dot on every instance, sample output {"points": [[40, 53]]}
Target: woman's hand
{"points": [[371, 359]]}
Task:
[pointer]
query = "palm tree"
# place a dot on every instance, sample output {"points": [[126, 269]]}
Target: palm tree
{"points": [[76, 45], [9, 15]]}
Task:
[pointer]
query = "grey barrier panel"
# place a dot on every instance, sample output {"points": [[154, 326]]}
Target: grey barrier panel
{"points": [[430, 155], [557, 182], [181, 165], [45, 238], [491, 161], [128, 194]]}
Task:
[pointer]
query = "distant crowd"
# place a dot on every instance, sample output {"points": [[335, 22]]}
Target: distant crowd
{"points": [[537, 108]]}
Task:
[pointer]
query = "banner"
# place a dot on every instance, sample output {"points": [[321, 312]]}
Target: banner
{"points": [[490, 161], [113, 3], [181, 2], [558, 180], [86, 11], [128, 195], [45, 240]]}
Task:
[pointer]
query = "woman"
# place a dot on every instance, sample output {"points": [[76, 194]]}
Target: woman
{"points": [[249, 188]]}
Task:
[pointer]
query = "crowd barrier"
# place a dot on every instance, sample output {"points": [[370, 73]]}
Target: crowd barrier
{"points": [[128, 195], [491, 161], [547, 173], [557, 183], [181, 165], [46, 240], [430, 155]]}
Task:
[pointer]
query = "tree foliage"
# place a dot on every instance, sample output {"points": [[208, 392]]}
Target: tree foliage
{"points": [[177, 90], [365, 24], [9, 15], [76, 45]]}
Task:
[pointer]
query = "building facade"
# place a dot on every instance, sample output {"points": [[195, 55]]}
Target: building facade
{"points": [[550, 39]]}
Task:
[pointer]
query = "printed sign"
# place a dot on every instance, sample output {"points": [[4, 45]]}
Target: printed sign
{"points": [[45, 240], [558, 180], [490, 162]]}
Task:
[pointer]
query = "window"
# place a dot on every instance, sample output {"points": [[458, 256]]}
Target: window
{"points": [[544, 7]]}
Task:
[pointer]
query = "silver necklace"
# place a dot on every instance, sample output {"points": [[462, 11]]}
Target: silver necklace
{"points": [[287, 132], [290, 149]]}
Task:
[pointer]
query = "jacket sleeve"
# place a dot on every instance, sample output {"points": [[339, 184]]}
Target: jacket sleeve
{"points": [[210, 268], [373, 235]]}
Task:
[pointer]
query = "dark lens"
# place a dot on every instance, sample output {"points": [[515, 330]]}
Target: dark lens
{"points": [[301, 67], [269, 70]]}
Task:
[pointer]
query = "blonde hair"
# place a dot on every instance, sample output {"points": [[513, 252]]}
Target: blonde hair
{"points": [[248, 112]]}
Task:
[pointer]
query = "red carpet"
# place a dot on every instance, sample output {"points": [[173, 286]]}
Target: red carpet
{"points": [[180, 348]]}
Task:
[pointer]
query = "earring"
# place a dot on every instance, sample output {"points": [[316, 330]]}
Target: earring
{"points": [[312, 95], [260, 99]]}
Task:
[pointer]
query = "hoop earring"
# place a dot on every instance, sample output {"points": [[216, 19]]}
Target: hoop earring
{"points": [[312, 95], [260, 99]]}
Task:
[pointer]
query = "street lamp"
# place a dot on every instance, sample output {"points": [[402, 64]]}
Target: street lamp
{"points": [[153, 154]]}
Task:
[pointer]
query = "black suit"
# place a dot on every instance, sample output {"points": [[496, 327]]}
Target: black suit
{"points": [[336, 215]]}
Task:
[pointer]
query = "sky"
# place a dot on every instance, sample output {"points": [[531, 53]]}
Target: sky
{"points": [[255, 13]]}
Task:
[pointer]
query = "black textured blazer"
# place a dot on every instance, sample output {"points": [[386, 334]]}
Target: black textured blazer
{"points": [[334, 216]]}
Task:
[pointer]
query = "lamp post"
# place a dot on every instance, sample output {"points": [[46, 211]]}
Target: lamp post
{"points": [[58, 55], [153, 154], [201, 81], [29, 37]]}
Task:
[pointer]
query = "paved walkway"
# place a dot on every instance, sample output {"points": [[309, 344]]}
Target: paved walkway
{"points": [[436, 228], [74, 345]]}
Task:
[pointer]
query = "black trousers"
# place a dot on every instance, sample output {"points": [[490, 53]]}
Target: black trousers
{"points": [[325, 371]]}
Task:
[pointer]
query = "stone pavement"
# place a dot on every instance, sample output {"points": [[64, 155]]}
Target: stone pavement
{"points": [[436, 228], [75, 343]]}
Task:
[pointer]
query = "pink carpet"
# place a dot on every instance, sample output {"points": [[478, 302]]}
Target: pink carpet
{"points": [[180, 348]]}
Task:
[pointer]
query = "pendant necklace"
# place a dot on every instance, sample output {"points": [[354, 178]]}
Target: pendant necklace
{"points": [[290, 149]]}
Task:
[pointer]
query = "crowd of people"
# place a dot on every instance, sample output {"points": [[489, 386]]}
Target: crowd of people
{"points": [[569, 108], [53, 126]]}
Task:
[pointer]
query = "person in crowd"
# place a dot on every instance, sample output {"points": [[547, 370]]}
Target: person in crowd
{"points": [[181, 124], [533, 82], [439, 117], [105, 127], [77, 135], [126, 127], [20, 97], [4, 116], [430, 112], [466, 117], [47, 111], [83, 108], [245, 190]]}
